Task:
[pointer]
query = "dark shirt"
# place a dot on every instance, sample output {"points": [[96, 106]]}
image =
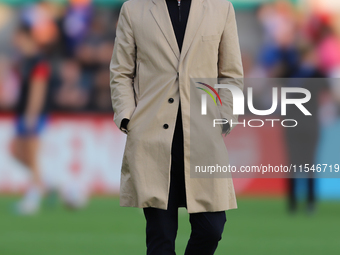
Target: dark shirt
{"points": [[179, 17], [32, 68]]}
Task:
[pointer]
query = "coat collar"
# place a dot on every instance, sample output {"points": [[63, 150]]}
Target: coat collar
{"points": [[160, 13]]}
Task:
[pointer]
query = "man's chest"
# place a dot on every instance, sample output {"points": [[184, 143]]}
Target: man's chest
{"points": [[153, 30]]}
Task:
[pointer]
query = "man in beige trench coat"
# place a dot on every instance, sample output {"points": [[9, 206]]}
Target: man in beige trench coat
{"points": [[150, 79]]}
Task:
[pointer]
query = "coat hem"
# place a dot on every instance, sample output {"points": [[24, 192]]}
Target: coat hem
{"points": [[225, 208]]}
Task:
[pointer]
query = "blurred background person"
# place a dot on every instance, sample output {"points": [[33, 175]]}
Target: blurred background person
{"points": [[75, 24], [302, 140], [299, 45], [32, 110]]}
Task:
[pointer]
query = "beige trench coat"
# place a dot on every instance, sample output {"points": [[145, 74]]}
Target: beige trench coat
{"points": [[146, 70]]}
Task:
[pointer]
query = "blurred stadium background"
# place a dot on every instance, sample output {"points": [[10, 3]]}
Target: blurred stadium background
{"points": [[82, 148]]}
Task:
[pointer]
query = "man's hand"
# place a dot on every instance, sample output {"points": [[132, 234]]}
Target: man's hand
{"points": [[123, 125], [225, 129]]}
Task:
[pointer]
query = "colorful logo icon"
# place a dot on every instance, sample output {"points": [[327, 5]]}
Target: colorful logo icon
{"points": [[209, 93]]}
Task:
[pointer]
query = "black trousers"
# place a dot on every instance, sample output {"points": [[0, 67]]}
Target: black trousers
{"points": [[162, 225], [292, 197], [302, 145]]}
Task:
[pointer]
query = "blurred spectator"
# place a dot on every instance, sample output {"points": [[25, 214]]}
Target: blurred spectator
{"points": [[40, 17], [279, 55], [303, 139], [71, 95], [76, 24], [100, 101]]}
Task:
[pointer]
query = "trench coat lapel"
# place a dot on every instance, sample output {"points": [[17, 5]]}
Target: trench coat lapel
{"points": [[195, 18], [160, 13]]}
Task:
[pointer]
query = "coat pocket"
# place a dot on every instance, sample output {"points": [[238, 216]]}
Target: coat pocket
{"points": [[136, 83], [206, 38]]}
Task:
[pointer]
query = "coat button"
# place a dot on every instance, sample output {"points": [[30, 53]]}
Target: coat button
{"points": [[165, 126], [171, 100]]}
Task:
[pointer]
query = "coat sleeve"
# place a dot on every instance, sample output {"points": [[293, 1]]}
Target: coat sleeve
{"points": [[122, 69], [230, 69]]}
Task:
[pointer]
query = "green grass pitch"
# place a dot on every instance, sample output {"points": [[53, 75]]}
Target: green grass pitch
{"points": [[258, 226]]}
